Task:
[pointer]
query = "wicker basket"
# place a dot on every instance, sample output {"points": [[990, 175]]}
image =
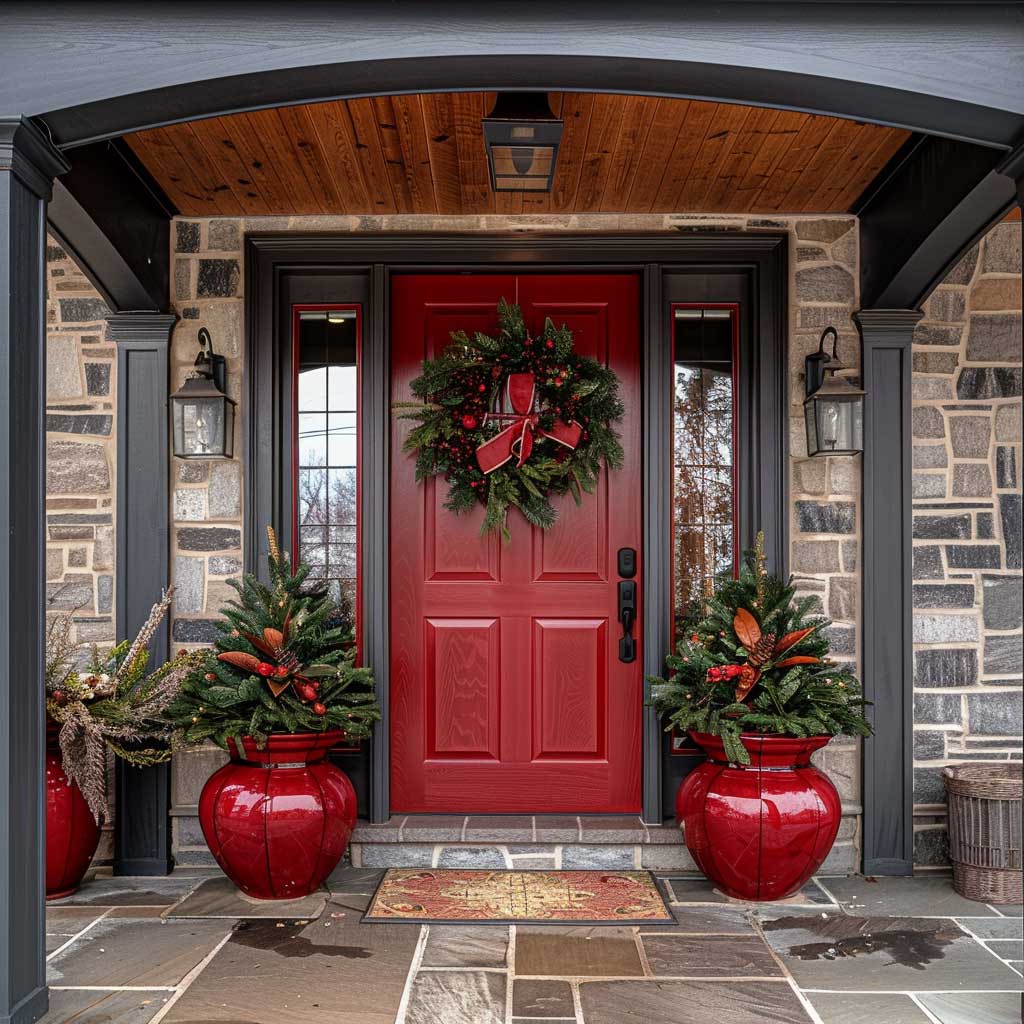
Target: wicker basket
{"points": [[985, 830]]}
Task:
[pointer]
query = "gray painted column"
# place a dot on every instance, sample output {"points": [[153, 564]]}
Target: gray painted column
{"points": [[28, 164], [142, 835], [887, 666]]}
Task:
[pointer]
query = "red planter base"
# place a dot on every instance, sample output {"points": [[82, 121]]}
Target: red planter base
{"points": [[760, 831], [72, 834], [278, 820]]}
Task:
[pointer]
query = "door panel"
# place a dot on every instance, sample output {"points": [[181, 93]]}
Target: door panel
{"points": [[507, 694]]}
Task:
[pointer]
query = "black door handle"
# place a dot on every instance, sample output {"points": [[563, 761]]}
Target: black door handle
{"points": [[627, 616]]}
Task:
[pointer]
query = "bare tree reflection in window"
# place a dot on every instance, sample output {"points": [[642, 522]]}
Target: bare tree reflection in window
{"points": [[703, 493]]}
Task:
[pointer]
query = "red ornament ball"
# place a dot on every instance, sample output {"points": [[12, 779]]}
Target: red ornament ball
{"points": [[482, 388], [469, 422], [549, 343], [319, 709], [281, 671], [209, 677], [265, 668]]}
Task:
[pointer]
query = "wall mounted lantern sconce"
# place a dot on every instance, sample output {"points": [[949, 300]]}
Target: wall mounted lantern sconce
{"points": [[521, 136], [833, 408], [203, 417]]}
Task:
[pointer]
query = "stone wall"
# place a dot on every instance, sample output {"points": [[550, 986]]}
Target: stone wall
{"points": [[967, 526], [207, 288], [81, 458]]}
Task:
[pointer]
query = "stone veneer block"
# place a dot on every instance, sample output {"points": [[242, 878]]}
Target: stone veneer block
{"points": [[1002, 250], [939, 629], [958, 595], [973, 556], [826, 517], [1010, 514], [957, 666], [977, 382], [994, 338], [995, 714], [1003, 655], [927, 563], [970, 436], [1001, 602], [218, 278], [189, 580], [225, 490], [930, 456], [1008, 422], [816, 556], [73, 467], [591, 857], [938, 527], [928, 422], [972, 480], [208, 538]]}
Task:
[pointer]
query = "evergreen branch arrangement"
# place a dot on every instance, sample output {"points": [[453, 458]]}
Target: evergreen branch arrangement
{"points": [[754, 659], [461, 387], [284, 663], [110, 703]]}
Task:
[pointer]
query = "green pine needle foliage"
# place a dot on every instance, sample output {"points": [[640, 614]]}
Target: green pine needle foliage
{"points": [[220, 700], [468, 379], [819, 698]]}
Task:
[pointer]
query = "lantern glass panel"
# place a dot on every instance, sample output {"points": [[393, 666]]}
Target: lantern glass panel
{"points": [[835, 426], [203, 427]]}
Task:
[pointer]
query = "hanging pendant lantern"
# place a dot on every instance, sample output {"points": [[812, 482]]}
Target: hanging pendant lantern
{"points": [[522, 136], [203, 417], [833, 408]]}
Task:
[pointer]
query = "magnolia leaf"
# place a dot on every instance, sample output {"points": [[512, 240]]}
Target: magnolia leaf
{"points": [[274, 637], [240, 659], [260, 644], [798, 659], [746, 628], [791, 640]]}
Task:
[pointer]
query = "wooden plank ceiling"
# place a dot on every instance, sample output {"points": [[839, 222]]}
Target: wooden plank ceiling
{"points": [[425, 154]]}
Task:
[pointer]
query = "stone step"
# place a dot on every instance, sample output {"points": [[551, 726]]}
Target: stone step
{"points": [[524, 842]]}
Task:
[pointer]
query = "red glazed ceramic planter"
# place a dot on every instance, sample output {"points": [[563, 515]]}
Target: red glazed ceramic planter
{"points": [[278, 820], [759, 831], [72, 834]]}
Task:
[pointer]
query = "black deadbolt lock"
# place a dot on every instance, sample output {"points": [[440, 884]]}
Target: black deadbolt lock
{"points": [[627, 562]]}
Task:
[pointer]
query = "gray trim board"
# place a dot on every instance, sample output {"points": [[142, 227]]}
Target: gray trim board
{"points": [[886, 605], [142, 835], [755, 264], [883, 62], [28, 164]]}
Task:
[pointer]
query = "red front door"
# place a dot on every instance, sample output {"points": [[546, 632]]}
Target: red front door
{"points": [[507, 692]]}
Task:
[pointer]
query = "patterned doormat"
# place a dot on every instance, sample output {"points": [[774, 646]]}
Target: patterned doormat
{"points": [[441, 895]]}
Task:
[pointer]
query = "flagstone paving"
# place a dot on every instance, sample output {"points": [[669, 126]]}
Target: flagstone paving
{"points": [[191, 950]]}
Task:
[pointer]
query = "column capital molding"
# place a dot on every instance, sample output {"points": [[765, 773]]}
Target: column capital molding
{"points": [[133, 328], [892, 324], [27, 152]]}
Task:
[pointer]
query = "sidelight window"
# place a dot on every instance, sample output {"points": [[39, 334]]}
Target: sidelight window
{"points": [[326, 447], [704, 452]]}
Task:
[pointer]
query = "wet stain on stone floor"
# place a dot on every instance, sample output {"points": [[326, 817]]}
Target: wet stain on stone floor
{"points": [[286, 939], [913, 944]]}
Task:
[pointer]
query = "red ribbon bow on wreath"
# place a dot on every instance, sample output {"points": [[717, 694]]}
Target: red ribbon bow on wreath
{"points": [[516, 440]]}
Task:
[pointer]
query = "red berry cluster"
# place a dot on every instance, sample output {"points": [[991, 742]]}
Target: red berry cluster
{"points": [[721, 673]]}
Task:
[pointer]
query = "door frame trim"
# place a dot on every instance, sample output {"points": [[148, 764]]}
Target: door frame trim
{"points": [[764, 429]]}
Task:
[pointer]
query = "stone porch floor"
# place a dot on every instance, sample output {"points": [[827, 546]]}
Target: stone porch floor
{"points": [[189, 950]]}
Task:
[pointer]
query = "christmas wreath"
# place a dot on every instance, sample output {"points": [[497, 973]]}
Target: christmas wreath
{"points": [[512, 420]]}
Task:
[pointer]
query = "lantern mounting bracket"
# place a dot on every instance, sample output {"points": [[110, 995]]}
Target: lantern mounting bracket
{"points": [[818, 363], [209, 364]]}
